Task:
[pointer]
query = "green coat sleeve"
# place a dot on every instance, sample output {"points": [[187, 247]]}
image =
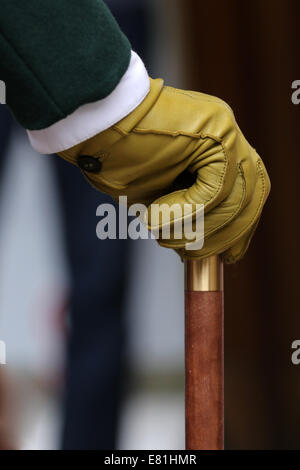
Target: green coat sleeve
{"points": [[56, 55]]}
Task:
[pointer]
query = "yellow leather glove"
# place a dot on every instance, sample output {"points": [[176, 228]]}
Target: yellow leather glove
{"points": [[182, 147]]}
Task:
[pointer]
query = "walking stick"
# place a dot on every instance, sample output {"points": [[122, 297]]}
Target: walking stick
{"points": [[204, 354]]}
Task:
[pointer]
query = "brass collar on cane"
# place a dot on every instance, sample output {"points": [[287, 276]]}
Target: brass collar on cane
{"points": [[204, 274]]}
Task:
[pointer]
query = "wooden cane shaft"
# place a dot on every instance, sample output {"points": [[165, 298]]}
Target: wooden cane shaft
{"points": [[204, 361]]}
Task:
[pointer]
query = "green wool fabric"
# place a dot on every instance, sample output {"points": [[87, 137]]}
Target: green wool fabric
{"points": [[56, 55]]}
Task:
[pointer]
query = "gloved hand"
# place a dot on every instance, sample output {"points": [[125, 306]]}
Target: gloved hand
{"points": [[182, 147]]}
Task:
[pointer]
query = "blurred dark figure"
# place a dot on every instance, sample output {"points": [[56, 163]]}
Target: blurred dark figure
{"points": [[247, 53], [96, 337]]}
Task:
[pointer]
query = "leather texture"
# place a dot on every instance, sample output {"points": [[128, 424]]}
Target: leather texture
{"points": [[183, 147]]}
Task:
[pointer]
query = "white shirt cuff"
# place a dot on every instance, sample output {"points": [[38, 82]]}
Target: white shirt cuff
{"points": [[90, 119]]}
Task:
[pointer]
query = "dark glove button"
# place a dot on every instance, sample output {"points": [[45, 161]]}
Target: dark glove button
{"points": [[89, 164]]}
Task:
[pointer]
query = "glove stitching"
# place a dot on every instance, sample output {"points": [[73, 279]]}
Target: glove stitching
{"points": [[242, 232], [199, 135], [236, 212], [232, 216], [258, 211], [194, 135]]}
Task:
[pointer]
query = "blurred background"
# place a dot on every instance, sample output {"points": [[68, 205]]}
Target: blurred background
{"points": [[94, 329]]}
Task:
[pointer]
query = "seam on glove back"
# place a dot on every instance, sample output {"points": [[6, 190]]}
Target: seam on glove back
{"points": [[198, 135], [236, 212], [228, 245]]}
